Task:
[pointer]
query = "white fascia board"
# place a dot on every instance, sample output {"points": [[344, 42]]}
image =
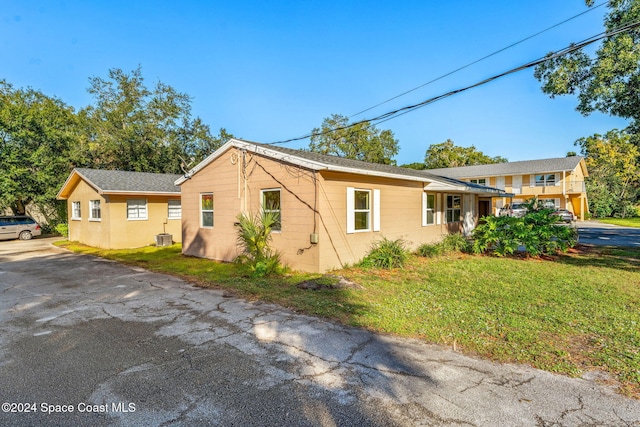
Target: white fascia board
{"points": [[140, 193], [442, 187]]}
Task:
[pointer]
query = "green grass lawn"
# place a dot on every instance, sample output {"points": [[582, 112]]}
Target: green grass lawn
{"points": [[570, 314], [625, 222]]}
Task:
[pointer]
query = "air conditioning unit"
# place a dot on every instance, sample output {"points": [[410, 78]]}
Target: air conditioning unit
{"points": [[164, 239]]}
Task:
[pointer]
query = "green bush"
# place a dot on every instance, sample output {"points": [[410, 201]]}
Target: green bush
{"points": [[63, 229], [430, 250], [455, 243], [387, 254], [254, 237], [538, 232]]}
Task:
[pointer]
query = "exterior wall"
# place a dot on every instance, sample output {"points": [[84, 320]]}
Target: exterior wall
{"points": [[400, 217], [114, 231], [129, 233], [90, 232], [236, 186]]}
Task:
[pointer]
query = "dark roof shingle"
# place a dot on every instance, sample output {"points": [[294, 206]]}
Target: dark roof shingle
{"points": [[558, 164], [108, 181]]}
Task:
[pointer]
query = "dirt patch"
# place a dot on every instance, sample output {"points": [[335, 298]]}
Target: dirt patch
{"points": [[328, 281]]}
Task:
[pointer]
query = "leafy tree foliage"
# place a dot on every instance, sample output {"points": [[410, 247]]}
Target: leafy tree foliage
{"points": [[38, 147], [361, 141], [613, 162], [608, 80], [449, 155], [132, 127]]}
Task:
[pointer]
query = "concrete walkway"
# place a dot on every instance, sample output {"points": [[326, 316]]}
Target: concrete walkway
{"points": [[124, 346]]}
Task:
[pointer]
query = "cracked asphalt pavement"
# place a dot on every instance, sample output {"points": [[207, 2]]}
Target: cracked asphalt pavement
{"points": [[85, 341]]}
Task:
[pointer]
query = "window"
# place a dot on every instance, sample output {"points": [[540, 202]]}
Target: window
{"points": [[550, 203], [428, 209], [481, 181], [76, 213], [175, 209], [546, 180], [206, 210], [136, 209], [271, 204], [363, 210], [94, 210], [454, 208]]}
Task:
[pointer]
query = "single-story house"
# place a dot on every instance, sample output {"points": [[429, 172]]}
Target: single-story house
{"points": [[558, 182], [118, 209], [331, 209]]}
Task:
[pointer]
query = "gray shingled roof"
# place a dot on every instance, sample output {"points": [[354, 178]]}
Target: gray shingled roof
{"points": [[109, 181], [558, 164], [358, 164]]}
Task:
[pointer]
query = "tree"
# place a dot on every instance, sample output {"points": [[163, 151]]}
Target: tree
{"points": [[38, 141], [132, 127], [361, 141], [607, 80], [613, 162], [448, 155]]}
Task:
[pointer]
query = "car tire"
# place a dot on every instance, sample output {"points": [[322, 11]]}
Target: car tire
{"points": [[25, 235]]}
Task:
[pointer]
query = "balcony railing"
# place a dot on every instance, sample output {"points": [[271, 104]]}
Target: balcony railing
{"points": [[569, 188]]}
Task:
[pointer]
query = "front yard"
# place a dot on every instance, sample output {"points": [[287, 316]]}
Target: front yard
{"points": [[571, 314]]}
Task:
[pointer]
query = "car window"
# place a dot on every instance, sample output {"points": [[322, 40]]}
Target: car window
{"points": [[7, 221]]}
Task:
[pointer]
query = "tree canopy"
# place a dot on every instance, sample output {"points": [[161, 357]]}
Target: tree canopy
{"points": [[448, 155], [361, 141]]}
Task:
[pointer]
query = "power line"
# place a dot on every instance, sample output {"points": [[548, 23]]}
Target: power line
{"points": [[401, 111], [479, 60]]}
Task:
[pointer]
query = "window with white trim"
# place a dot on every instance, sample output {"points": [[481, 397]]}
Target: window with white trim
{"points": [[76, 211], [271, 204], [545, 180], [550, 203], [428, 208], [95, 213], [206, 210], [175, 209], [481, 181], [136, 209], [453, 208], [363, 210]]}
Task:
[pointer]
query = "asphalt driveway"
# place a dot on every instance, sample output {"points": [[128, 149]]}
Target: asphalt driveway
{"points": [[84, 341], [601, 234]]}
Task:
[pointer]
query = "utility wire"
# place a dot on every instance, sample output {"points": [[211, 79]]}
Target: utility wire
{"points": [[479, 60], [400, 111]]}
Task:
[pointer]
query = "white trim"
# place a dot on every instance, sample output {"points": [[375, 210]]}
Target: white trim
{"points": [[376, 210], [279, 190], [169, 217], [137, 208], [425, 204], [351, 223], [91, 217], [212, 210], [351, 210], [73, 211]]}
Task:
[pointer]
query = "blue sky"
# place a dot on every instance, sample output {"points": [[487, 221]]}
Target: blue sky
{"points": [[269, 71]]}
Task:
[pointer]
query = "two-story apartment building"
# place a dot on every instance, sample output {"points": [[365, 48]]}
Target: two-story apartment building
{"points": [[558, 182]]}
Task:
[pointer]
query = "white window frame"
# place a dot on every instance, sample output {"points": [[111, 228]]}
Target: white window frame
{"points": [[477, 181], [94, 206], [548, 180], [175, 211], [277, 229], [76, 211], [202, 211], [452, 209], [426, 209], [137, 210], [556, 203], [373, 218]]}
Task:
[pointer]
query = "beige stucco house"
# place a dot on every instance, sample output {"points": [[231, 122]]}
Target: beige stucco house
{"points": [[558, 182], [331, 209], [118, 209]]}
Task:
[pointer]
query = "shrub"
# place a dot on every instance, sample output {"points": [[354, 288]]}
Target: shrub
{"points": [[254, 237], [387, 254], [455, 243], [63, 229], [538, 232], [430, 250]]}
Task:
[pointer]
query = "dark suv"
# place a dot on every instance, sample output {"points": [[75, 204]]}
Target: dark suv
{"points": [[18, 227]]}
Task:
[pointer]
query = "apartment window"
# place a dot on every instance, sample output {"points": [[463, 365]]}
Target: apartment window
{"points": [[271, 204], [363, 210], [428, 209], [206, 210], [94, 210], [550, 203], [136, 209], [481, 181], [454, 208], [175, 209], [545, 180], [76, 212]]}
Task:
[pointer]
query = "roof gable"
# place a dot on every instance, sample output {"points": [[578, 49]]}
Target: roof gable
{"points": [[320, 162], [122, 182]]}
